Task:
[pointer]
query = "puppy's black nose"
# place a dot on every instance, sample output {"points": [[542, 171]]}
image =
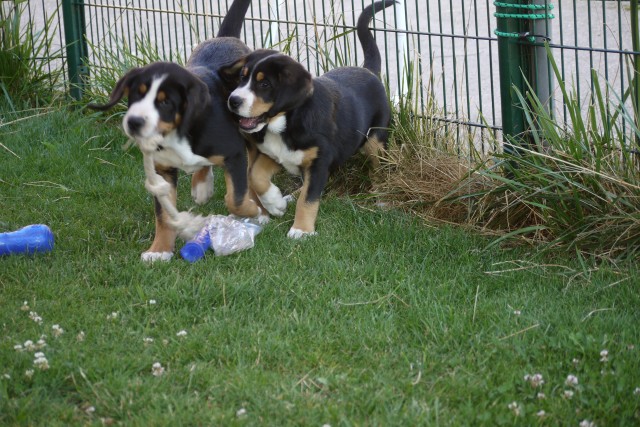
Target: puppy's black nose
{"points": [[135, 123], [234, 102]]}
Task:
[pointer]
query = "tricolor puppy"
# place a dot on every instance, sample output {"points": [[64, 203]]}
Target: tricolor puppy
{"points": [[308, 126], [180, 115]]}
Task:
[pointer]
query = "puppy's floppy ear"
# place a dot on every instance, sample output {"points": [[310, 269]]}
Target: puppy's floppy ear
{"points": [[197, 100], [230, 73], [295, 84], [121, 89]]}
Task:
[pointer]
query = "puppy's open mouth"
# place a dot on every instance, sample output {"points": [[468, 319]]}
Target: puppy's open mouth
{"points": [[250, 123]]}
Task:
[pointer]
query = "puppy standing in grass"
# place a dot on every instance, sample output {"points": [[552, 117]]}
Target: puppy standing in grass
{"points": [[308, 126], [179, 119]]}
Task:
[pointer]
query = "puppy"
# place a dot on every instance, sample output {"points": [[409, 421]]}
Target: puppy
{"points": [[179, 117], [308, 126]]}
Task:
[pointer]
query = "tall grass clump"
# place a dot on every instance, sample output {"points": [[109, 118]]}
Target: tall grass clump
{"points": [[28, 75], [575, 187], [108, 66]]}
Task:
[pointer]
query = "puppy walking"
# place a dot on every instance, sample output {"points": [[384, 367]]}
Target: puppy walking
{"points": [[179, 120], [308, 126]]}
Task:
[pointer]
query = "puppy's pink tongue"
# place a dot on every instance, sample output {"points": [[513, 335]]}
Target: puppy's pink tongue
{"points": [[249, 123]]}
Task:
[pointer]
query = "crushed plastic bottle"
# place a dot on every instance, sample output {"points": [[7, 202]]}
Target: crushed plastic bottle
{"points": [[224, 234], [27, 240]]}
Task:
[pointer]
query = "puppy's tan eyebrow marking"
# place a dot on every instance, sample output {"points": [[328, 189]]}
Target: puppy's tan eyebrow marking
{"points": [[259, 76], [161, 96], [142, 88], [245, 71]]}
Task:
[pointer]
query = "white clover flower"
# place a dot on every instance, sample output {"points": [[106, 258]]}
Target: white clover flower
{"points": [[575, 362], [587, 423], [34, 316], [40, 361], [29, 345], [157, 369], [515, 408], [147, 340], [6, 376], [41, 344], [25, 306], [571, 380], [517, 312], [241, 412], [57, 330], [151, 302], [90, 409], [604, 356], [541, 396], [112, 316], [18, 347], [636, 391], [28, 373], [568, 394], [80, 337], [541, 413], [182, 333], [535, 380]]}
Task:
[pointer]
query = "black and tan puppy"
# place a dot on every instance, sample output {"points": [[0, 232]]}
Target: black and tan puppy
{"points": [[180, 115], [308, 126]]}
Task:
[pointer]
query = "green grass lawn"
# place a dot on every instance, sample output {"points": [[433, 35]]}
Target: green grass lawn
{"points": [[378, 320]]}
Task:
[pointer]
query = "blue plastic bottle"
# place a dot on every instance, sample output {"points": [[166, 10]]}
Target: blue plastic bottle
{"points": [[27, 240], [195, 249]]}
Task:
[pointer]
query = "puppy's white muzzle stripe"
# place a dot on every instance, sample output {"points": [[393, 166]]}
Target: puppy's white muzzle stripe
{"points": [[144, 112], [245, 94]]}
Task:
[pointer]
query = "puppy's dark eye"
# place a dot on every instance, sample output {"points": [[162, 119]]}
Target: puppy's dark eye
{"points": [[264, 84]]}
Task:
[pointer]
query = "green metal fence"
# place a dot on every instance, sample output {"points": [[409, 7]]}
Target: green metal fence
{"points": [[452, 45]]}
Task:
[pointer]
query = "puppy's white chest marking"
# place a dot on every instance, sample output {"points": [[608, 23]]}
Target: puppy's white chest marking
{"points": [[176, 152], [274, 147]]}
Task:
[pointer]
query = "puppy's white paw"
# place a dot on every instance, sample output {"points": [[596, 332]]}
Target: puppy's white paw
{"points": [[156, 256], [295, 233], [273, 201], [203, 190]]}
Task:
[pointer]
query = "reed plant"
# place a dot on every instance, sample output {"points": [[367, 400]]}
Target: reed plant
{"points": [[29, 76]]}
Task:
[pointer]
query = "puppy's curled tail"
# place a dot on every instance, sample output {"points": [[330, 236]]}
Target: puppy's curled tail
{"points": [[372, 60], [232, 23]]}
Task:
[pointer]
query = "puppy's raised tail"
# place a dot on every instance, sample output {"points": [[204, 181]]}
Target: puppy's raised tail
{"points": [[372, 60], [232, 23]]}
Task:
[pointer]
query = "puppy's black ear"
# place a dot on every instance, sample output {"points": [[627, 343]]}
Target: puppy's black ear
{"points": [[197, 100], [295, 85], [230, 74], [121, 89]]}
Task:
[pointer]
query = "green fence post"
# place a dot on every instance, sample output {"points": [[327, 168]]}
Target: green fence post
{"points": [[635, 78], [510, 66], [76, 44], [520, 58]]}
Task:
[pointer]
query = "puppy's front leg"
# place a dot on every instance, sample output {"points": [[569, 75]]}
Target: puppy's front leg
{"points": [[315, 179], [165, 235], [269, 194], [202, 185]]}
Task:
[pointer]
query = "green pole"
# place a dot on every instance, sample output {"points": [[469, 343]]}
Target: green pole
{"points": [[521, 59], [635, 40], [76, 44], [510, 68]]}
